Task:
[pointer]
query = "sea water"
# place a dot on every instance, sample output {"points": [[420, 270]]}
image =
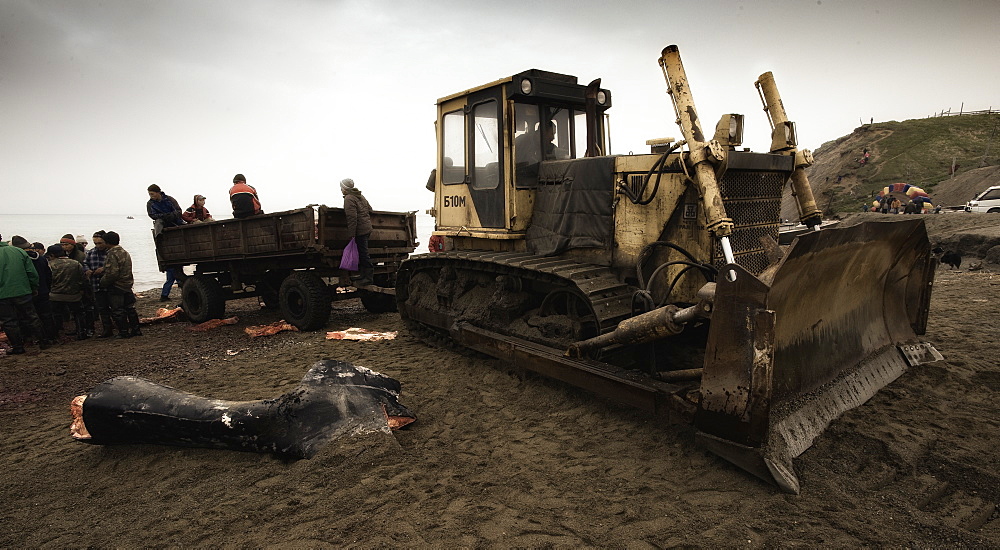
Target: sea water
{"points": [[136, 237]]}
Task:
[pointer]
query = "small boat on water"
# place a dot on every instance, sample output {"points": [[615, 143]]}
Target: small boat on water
{"points": [[129, 217]]}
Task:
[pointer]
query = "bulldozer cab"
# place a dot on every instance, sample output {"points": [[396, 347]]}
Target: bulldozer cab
{"points": [[492, 139]]}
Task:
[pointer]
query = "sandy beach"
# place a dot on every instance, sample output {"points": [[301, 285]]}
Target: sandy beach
{"points": [[499, 458]]}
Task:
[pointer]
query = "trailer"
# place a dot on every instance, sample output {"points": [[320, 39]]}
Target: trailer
{"points": [[290, 260]]}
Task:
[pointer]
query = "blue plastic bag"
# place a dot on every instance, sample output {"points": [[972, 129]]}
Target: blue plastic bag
{"points": [[349, 260]]}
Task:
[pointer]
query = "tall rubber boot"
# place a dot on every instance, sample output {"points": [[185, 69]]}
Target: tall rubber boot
{"points": [[107, 329], [367, 274], [88, 319], [81, 328], [133, 322], [14, 338], [121, 321]]}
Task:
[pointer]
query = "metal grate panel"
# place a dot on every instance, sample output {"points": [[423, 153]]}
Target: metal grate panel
{"points": [[753, 201]]}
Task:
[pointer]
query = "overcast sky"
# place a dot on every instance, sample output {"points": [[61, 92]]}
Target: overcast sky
{"points": [[98, 99]]}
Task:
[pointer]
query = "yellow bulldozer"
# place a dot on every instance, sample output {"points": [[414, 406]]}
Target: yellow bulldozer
{"points": [[657, 279]]}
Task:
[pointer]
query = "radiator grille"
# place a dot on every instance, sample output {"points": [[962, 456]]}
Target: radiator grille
{"points": [[753, 201]]}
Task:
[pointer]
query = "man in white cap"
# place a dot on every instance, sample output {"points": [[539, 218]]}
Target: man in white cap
{"points": [[359, 226]]}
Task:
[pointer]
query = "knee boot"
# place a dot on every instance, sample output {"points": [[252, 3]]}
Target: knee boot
{"points": [[121, 322], [81, 329], [133, 322], [14, 338], [107, 329], [367, 273], [88, 321]]}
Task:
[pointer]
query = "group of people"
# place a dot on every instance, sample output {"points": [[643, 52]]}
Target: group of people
{"points": [[892, 205], [165, 211], [44, 289]]}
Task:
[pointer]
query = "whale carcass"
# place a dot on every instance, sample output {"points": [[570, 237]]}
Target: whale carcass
{"points": [[335, 398]]}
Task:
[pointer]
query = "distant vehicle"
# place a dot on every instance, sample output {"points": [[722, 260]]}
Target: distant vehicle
{"points": [[987, 201]]}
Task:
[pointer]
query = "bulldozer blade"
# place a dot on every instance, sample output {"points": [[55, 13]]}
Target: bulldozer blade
{"points": [[835, 322]]}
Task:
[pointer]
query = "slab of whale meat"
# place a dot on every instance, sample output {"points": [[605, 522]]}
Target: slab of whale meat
{"points": [[334, 399]]}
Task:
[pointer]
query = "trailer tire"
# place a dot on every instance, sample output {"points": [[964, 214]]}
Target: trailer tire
{"points": [[305, 300], [376, 302], [202, 298]]}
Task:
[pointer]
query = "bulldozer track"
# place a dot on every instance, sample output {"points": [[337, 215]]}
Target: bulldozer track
{"points": [[608, 297]]}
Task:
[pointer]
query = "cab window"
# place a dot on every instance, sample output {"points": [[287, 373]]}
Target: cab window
{"points": [[991, 195], [561, 143], [580, 132], [453, 148], [486, 146], [540, 133]]}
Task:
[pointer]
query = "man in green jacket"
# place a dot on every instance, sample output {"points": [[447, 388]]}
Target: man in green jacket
{"points": [[18, 283], [117, 280]]}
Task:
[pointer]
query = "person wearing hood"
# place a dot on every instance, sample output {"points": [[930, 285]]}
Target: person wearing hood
{"points": [[43, 307], [66, 294], [197, 211], [359, 226], [18, 282]]}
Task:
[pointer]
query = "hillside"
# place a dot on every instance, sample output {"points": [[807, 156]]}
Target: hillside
{"points": [[919, 152]]}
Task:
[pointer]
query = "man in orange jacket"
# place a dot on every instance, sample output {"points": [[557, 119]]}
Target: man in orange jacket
{"points": [[244, 198]]}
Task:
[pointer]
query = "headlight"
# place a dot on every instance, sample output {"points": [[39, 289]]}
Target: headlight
{"points": [[602, 97], [525, 86]]}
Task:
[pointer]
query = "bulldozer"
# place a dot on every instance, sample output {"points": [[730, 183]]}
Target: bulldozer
{"points": [[656, 279]]}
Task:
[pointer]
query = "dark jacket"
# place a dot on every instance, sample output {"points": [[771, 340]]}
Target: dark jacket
{"points": [[358, 212], [77, 255], [167, 210], [244, 200], [44, 273], [67, 280]]}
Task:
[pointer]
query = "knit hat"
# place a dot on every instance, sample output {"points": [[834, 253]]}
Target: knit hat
{"points": [[154, 188], [67, 238], [112, 238], [239, 177], [56, 251], [38, 246], [345, 184], [82, 239], [19, 241]]}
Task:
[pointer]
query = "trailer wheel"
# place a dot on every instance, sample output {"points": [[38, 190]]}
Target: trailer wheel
{"points": [[376, 302], [202, 299], [305, 300]]}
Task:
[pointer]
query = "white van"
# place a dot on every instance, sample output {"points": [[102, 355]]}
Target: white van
{"points": [[987, 201]]}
